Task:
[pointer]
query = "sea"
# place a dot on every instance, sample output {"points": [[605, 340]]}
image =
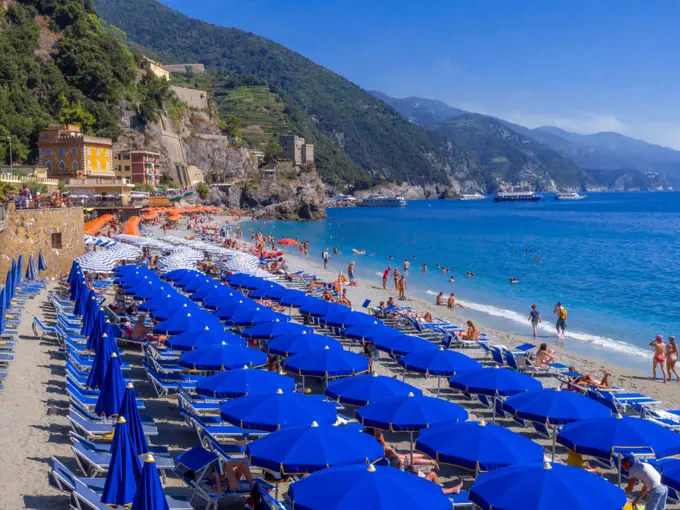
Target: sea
{"points": [[612, 259]]}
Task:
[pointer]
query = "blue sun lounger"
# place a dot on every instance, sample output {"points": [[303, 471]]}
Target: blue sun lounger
{"points": [[163, 384], [88, 401], [461, 500], [201, 462], [95, 461], [85, 498], [195, 403], [93, 429], [40, 329], [65, 480], [216, 427]]}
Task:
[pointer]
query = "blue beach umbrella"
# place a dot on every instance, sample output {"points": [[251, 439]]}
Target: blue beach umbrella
{"points": [[175, 309], [294, 297], [193, 340], [124, 469], [327, 363], [670, 473], [89, 314], [602, 437], [100, 364], [368, 331], [227, 311], [258, 315], [310, 448], [167, 300], [545, 486], [399, 344], [252, 282], [273, 411], [319, 308], [360, 487], [367, 388], [30, 268], [410, 414], [149, 290], [188, 279], [3, 312], [268, 291], [189, 321], [19, 268], [150, 495], [298, 343], [478, 446], [243, 382], [554, 407], [42, 264], [268, 330], [339, 318], [222, 357], [112, 390], [129, 411], [222, 297], [439, 362], [237, 278], [209, 288], [196, 283], [178, 274]]}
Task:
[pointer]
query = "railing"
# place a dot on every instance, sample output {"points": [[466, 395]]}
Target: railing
{"points": [[24, 179]]}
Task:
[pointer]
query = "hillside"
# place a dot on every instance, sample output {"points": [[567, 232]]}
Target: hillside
{"points": [[358, 139], [58, 63], [512, 157], [424, 112]]}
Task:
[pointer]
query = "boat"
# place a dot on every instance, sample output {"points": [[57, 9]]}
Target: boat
{"points": [[381, 201], [471, 196], [569, 195], [516, 196], [343, 198]]}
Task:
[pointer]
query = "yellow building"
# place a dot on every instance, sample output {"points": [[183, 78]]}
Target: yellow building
{"points": [[68, 153]]}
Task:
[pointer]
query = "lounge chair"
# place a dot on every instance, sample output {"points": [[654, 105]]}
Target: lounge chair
{"points": [[214, 426], [201, 462], [65, 480], [197, 404], [461, 500], [163, 384], [40, 330], [100, 429], [85, 498], [95, 461], [619, 402], [268, 500]]}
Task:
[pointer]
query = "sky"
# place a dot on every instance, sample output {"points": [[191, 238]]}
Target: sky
{"points": [[581, 65]]}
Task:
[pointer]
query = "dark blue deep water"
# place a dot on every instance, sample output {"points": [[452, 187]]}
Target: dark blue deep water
{"points": [[613, 259]]}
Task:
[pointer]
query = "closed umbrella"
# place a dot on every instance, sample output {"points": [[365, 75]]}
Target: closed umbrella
{"points": [[30, 268], [554, 407], [192, 340], [124, 470], [268, 330], [410, 414], [478, 446], [298, 343], [100, 365], [273, 411], [130, 412], [111, 392], [42, 264], [241, 382], [3, 312], [545, 486], [367, 388], [358, 487], [222, 357], [310, 448], [440, 363], [150, 495], [494, 382]]}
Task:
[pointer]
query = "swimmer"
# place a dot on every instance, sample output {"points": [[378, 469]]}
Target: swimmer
{"points": [[445, 270], [438, 266], [469, 274], [391, 257], [537, 260], [424, 268], [513, 280], [451, 279]]}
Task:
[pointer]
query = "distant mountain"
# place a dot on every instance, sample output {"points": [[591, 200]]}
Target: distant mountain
{"points": [[511, 156], [424, 112]]}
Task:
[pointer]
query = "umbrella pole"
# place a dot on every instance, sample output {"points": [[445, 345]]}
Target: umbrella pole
{"points": [[411, 434], [439, 383], [494, 409], [554, 438], [303, 384], [403, 375]]}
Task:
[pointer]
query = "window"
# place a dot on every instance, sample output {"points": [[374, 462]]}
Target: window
{"points": [[62, 152], [74, 165], [108, 153], [48, 152], [99, 166], [89, 151], [99, 153], [62, 165], [89, 165], [108, 167], [127, 168], [48, 165], [56, 241], [74, 152], [46, 135]]}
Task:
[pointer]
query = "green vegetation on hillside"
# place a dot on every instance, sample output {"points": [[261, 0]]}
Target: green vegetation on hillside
{"points": [[358, 139], [58, 63]]}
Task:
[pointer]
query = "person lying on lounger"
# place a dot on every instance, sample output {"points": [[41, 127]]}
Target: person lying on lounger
{"points": [[397, 459], [432, 476], [587, 380], [234, 470]]}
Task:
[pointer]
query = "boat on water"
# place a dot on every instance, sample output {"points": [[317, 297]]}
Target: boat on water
{"points": [[343, 198], [471, 196], [570, 195], [381, 201], [516, 196]]}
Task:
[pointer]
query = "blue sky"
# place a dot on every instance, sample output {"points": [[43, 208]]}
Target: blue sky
{"points": [[582, 65]]}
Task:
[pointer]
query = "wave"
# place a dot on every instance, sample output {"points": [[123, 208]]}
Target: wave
{"points": [[599, 341]]}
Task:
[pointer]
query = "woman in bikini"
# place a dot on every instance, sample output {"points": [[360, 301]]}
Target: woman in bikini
{"points": [[472, 332], [587, 380], [659, 358], [672, 358]]}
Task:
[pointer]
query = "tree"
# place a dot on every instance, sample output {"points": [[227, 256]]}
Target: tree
{"points": [[232, 126], [144, 187], [271, 151], [6, 189], [202, 190]]}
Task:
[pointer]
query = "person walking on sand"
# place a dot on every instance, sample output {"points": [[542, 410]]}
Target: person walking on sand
{"points": [[672, 358], [534, 318], [561, 324], [386, 275], [401, 287], [325, 256], [395, 275], [659, 349], [350, 273]]}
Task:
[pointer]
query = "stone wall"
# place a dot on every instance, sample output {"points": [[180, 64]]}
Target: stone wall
{"points": [[26, 231], [195, 98]]}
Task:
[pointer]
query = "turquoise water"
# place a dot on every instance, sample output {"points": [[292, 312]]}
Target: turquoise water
{"points": [[611, 259]]}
